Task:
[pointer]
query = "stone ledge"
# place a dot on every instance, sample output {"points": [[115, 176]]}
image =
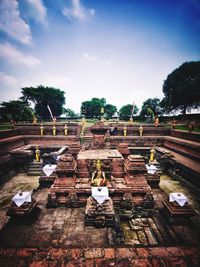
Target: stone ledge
{"points": [[122, 256]]}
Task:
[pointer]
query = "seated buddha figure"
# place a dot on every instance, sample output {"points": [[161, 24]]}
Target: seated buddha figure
{"points": [[98, 176]]}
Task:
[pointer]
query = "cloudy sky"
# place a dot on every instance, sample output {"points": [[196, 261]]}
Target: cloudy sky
{"points": [[118, 49]]}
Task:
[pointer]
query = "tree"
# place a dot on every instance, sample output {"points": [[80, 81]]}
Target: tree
{"points": [[126, 111], [70, 113], [15, 110], [42, 96], [182, 88], [109, 110], [92, 108], [151, 107]]}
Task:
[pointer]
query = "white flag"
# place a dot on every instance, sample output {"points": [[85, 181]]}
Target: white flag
{"points": [[132, 109], [50, 111]]}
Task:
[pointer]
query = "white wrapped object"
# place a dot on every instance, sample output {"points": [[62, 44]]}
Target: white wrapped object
{"points": [[100, 194], [49, 169], [22, 197], [180, 198]]}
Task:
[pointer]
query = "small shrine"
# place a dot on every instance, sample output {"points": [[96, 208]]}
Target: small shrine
{"points": [[22, 206], [177, 209]]}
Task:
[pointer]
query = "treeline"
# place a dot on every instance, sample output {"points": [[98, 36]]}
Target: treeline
{"points": [[181, 93]]}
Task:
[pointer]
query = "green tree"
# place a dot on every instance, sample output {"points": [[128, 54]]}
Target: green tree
{"points": [[151, 107], [126, 111], [70, 113], [15, 110], [92, 108], [42, 96], [182, 88], [109, 110]]}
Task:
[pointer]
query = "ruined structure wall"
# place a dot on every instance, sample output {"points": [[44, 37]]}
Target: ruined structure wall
{"points": [[190, 150], [136, 141], [186, 135], [51, 140]]}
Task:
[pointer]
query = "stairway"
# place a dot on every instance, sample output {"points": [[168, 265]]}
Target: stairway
{"points": [[87, 141], [35, 168], [159, 170]]}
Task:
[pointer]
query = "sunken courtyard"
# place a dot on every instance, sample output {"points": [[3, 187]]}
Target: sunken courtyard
{"points": [[80, 195]]}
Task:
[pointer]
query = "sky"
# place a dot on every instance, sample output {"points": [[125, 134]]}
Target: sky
{"points": [[121, 50]]}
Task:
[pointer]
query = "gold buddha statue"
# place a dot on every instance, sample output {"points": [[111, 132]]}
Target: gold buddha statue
{"points": [[98, 176]]}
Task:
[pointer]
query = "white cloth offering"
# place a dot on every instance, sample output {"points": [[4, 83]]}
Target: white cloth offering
{"points": [[180, 198], [100, 194], [151, 168], [22, 197], [48, 169]]}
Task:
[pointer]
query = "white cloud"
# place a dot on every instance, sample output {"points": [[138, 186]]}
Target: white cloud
{"points": [[77, 11], [7, 80], [14, 56], [12, 24], [88, 57], [37, 11], [10, 87], [50, 80], [96, 60]]}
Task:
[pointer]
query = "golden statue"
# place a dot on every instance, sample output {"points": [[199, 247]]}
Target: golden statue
{"points": [[37, 154], [141, 130], [131, 121], [156, 123], [174, 124], [41, 129], [65, 129], [98, 176], [54, 129], [152, 154], [34, 120], [125, 130]]}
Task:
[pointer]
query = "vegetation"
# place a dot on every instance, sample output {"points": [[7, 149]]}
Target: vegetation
{"points": [[151, 107], [127, 111], [92, 108], [42, 97], [15, 110], [182, 88], [110, 110], [70, 113]]}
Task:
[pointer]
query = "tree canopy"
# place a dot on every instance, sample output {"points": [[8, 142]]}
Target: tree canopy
{"points": [[182, 88], [126, 111], [42, 96], [70, 113], [15, 110], [110, 110], [92, 108], [151, 107]]}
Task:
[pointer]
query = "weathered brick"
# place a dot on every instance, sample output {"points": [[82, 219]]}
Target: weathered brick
{"points": [[142, 263], [109, 253], [161, 252], [125, 253], [106, 263], [94, 253], [88, 263], [142, 252]]}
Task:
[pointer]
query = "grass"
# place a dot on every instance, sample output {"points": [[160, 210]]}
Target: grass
{"points": [[185, 128], [5, 127]]}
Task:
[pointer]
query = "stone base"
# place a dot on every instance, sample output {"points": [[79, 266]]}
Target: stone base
{"points": [[99, 215], [153, 180], [22, 211], [177, 214], [45, 180]]}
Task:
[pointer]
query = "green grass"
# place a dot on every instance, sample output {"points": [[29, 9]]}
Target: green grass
{"points": [[5, 127], [185, 128]]}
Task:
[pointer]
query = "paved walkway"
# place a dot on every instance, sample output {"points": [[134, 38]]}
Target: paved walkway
{"points": [[101, 257]]}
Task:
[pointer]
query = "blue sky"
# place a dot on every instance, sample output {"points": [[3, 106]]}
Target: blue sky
{"points": [[122, 50]]}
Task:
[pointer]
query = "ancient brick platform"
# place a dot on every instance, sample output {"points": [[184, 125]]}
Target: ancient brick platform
{"points": [[101, 257]]}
